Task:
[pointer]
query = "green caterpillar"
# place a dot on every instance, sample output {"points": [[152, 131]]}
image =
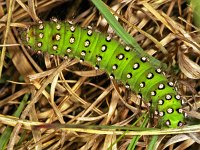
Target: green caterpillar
{"points": [[119, 61]]}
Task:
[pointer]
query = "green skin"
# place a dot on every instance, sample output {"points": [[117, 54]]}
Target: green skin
{"points": [[54, 38]]}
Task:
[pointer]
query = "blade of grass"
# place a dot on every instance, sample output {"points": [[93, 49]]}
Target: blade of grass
{"points": [[3, 52], [121, 136], [5, 137], [135, 139], [103, 8], [152, 143]]}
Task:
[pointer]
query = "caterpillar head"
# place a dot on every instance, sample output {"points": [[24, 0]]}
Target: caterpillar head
{"points": [[28, 37], [46, 37]]}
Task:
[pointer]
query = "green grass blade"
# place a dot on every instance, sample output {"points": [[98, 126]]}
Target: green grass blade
{"points": [[102, 7], [115, 24], [135, 139], [152, 143], [5, 137], [144, 116]]}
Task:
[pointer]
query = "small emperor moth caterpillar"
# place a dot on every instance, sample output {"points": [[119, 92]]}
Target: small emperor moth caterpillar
{"points": [[119, 61]]}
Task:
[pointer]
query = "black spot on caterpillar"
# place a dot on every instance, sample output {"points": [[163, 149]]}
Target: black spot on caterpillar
{"points": [[119, 61]]}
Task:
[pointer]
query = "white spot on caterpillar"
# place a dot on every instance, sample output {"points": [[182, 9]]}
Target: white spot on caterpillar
{"points": [[69, 50], [103, 48], [180, 110], [160, 102], [161, 113], [58, 26], [87, 43], [55, 47], [96, 67], [136, 66], [112, 76], [72, 40], [168, 97], [167, 123], [158, 70], [108, 38], [178, 97], [41, 35], [143, 59], [171, 84], [51, 56], [72, 28], [39, 44], [81, 60], [142, 84], [129, 75], [120, 56], [99, 58], [180, 124], [150, 76], [58, 37], [170, 110], [83, 53], [39, 52], [127, 86], [161, 86], [41, 27], [153, 93], [89, 32], [114, 67], [127, 48]]}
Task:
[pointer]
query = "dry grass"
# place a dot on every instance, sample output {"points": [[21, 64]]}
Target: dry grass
{"points": [[78, 94]]}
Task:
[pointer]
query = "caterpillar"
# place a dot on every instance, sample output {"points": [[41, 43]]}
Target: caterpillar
{"points": [[118, 60]]}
